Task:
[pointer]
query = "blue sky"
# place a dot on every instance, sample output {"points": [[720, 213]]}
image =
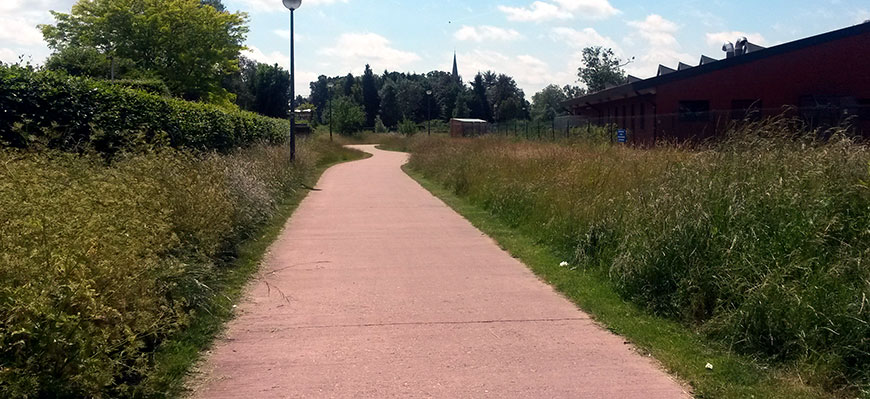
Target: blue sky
{"points": [[536, 41]]}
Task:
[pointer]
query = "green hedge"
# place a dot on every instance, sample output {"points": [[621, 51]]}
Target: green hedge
{"points": [[58, 111], [153, 86]]}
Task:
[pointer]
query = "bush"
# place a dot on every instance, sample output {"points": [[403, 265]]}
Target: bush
{"points": [[100, 264], [151, 86], [760, 241], [408, 127], [54, 110], [347, 117], [379, 125]]}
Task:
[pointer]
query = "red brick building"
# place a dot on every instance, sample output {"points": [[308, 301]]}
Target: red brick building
{"points": [[824, 79]]}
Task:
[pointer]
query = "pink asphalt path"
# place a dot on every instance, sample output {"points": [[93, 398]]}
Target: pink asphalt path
{"points": [[376, 289]]}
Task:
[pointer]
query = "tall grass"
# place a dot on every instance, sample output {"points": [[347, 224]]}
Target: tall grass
{"points": [[100, 263], [761, 241]]}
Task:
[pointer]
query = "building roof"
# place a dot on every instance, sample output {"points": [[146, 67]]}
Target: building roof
{"points": [[465, 120], [708, 65]]}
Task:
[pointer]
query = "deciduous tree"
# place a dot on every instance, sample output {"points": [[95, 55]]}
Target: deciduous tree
{"points": [[189, 46], [600, 68]]}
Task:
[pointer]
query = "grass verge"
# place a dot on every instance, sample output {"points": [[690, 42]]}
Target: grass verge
{"points": [[680, 351], [177, 356]]}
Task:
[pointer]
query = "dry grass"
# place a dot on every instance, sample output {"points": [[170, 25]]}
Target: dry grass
{"points": [[760, 242]]}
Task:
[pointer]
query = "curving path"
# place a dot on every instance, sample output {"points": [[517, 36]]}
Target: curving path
{"points": [[376, 289]]}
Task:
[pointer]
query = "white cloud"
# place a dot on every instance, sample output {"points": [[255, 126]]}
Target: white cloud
{"points": [[656, 30], [718, 38], [8, 55], [589, 9], [582, 38], [661, 46], [486, 32], [540, 11], [531, 73], [276, 5], [20, 31], [354, 50]]}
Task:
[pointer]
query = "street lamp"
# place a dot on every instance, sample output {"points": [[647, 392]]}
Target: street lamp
{"points": [[292, 5], [429, 112], [329, 86]]}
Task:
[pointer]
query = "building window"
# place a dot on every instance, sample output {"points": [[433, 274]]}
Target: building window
{"points": [[694, 111], [632, 117], [746, 110]]}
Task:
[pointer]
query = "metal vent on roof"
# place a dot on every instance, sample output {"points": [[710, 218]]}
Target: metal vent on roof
{"points": [[663, 70], [682, 66], [706, 60]]}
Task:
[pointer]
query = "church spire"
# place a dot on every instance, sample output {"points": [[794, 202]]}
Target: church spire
{"points": [[455, 68]]}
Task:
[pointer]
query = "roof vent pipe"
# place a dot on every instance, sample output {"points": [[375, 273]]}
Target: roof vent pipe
{"points": [[728, 48], [741, 47]]}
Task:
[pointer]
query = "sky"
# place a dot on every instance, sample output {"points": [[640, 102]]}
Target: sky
{"points": [[538, 42]]}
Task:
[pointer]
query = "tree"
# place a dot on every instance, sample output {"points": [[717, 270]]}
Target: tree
{"points": [[371, 101], [320, 95], [572, 91], [241, 83], [271, 91], [348, 85], [189, 46], [479, 104], [412, 99], [461, 109], [80, 61], [506, 99], [601, 68], [390, 112], [214, 3], [547, 103], [347, 116]]}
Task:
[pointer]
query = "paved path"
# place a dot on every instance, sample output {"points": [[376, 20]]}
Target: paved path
{"points": [[376, 289]]}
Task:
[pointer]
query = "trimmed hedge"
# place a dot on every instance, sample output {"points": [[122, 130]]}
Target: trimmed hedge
{"points": [[153, 86], [55, 110]]}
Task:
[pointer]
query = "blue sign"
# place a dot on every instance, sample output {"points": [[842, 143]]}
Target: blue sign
{"points": [[621, 136]]}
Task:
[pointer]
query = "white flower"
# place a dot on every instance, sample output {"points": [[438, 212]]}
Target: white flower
{"points": [[564, 264], [709, 366]]}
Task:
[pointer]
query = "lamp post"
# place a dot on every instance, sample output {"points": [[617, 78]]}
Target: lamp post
{"points": [[292, 5], [329, 87], [429, 113]]}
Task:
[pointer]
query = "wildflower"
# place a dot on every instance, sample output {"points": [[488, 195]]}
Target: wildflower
{"points": [[564, 264], [709, 366]]}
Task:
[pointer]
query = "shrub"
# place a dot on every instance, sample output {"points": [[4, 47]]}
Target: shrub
{"points": [[151, 86], [379, 125], [760, 241], [408, 127], [347, 117], [54, 110], [99, 264]]}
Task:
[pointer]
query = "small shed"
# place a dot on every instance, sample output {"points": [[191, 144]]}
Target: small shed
{"points": [[460, 127]]}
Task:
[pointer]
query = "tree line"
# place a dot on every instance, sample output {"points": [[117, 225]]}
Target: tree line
{"points": [[193, 47], [390, 98], [387, 100]]}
